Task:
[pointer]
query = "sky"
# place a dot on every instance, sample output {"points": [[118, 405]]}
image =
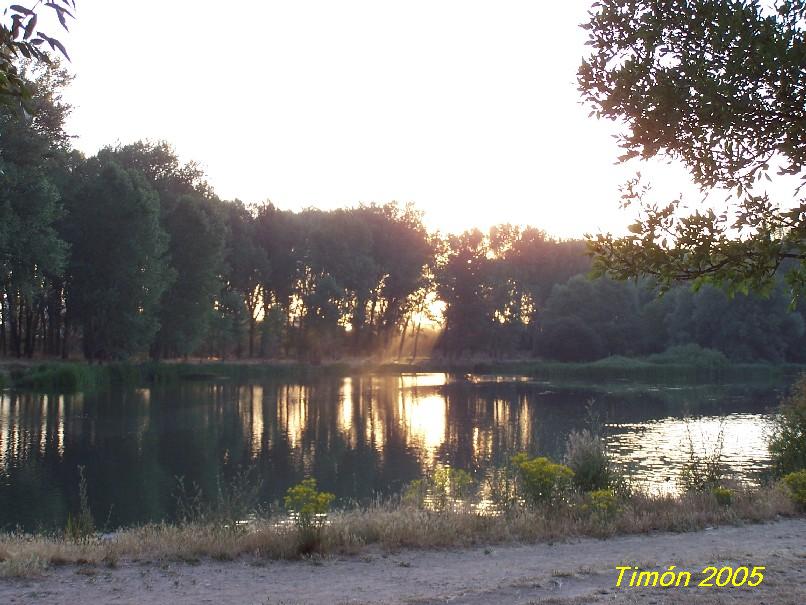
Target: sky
{"points": [[469, 109]]}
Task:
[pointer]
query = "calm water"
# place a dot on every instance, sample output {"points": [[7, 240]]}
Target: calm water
{"points": [[359, 437]]}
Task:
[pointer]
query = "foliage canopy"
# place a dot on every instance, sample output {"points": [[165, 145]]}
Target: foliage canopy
{"points": [[719, 85]]}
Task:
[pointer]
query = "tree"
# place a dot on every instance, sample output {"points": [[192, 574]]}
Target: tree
{"points": [[746, 328], [245, 264], [192, 216], [721, 86], [195, 251], [118, 270], [35, 160], [385, 281], [20, 37], [463, 283], [603, 313], [277, 233]]}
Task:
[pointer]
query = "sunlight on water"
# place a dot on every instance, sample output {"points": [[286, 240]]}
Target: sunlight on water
{"points": [[359, 436], [413, 381], [424, 421], [654, 451], [250, 407], [292, 412], [5, 431]]}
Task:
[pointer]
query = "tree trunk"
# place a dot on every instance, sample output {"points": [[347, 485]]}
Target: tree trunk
{"points": [[403, 338], [416, 339]]}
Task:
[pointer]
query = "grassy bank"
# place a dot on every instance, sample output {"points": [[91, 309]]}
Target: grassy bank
{"points": [[78, 376], [644, 371], [390, 526]]}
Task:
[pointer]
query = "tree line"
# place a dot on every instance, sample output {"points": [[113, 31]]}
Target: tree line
{"points": [[130, 253]]}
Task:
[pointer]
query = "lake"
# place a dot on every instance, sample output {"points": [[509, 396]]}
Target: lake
{"points": [[361, 437]]}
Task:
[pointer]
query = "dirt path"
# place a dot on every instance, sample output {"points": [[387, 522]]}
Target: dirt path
{"points": [[576, 572]]}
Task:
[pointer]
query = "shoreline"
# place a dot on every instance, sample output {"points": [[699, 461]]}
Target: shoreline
{"points": [[570, 572], [391, 526], [81, 375]]}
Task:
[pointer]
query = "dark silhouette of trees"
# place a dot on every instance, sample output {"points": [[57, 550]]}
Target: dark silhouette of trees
{"points": [[118, 268], [191, 216], [130, 253], [35, 160], [495, 287]]}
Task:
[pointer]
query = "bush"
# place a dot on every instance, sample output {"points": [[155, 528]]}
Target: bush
{"points": [[796, 482], [541, 480], [788, 440], [690, 354], [586, 455], [570, 339], [502, 489], [723, 495], [308, 505], [602, 504], [619, 362], [439, 489], [309, 508], [63, 377]]}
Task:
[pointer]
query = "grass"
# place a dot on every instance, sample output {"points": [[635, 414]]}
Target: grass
{"points": [[391, 526], [78, 376], [673, 366], [639, 370]]}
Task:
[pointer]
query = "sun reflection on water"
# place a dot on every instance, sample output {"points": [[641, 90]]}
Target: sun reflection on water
{"points": [[424, 421], [359, 435], [292, 412], [654, 451]]}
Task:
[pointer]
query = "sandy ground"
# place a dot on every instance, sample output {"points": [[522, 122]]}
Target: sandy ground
{"points": [[582, 571]]}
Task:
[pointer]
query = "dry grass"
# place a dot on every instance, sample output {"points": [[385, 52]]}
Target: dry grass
{"points": [[391, 527]]}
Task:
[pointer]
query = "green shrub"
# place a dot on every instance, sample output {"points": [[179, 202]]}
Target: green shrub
{"points": [[541, 480], [64, 377], [308, 505], [788, 440], [502, 489], [690, 354], [602, 504], [586, 455], [309, 508], [439, 488], [619, 362], [415, 493], [723, 495], [450, 484], [796, 482]]}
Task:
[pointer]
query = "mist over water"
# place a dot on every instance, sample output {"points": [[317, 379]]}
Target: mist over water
{"points": [[361, 437]]}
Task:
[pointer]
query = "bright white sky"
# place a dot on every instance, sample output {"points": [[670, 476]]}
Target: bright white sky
{"points": [[467, 108]]}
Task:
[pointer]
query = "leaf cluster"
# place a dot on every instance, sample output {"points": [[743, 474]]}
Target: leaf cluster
{"points": [[21, 37], [719, 85]]}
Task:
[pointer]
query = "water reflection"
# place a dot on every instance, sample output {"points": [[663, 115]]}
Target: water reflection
{"points": [[359, 436], [654, 450]]}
